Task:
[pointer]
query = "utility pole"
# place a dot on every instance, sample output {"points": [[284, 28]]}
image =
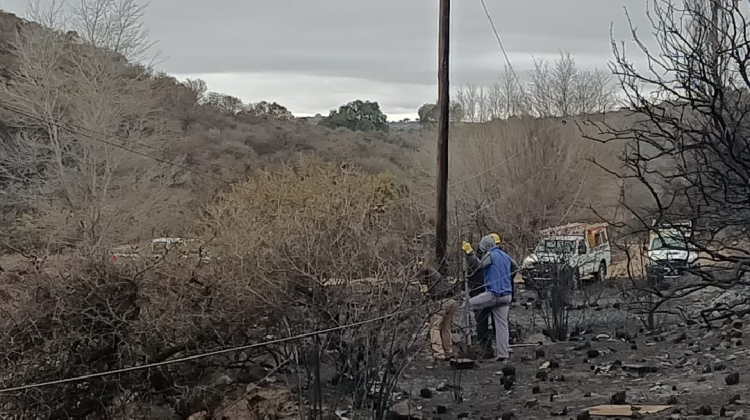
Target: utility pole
{"points": [[441, 221]]}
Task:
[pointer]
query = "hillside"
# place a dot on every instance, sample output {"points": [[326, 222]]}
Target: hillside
{"points": [[169, 146]]}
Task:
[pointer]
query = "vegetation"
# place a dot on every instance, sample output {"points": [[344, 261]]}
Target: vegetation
{"points": [[357, 116]]}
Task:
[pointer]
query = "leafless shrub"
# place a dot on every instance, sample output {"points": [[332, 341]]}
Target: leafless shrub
{"points": [[312, 247]]}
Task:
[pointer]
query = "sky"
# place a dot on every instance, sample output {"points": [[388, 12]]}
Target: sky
{"points": [[313, 56]]}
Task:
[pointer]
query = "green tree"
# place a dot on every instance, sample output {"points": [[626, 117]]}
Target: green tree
{"points": [[428, 114], [357, 116]]}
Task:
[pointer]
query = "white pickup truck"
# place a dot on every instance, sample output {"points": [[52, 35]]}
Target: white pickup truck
{"points": [[669, 249], [581, 246]]}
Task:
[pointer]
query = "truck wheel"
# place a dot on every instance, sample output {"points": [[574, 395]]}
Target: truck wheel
{"points": [[601, 275]]}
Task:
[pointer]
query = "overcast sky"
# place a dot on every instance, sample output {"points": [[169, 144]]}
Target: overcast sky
{"points": [[312, 56]]}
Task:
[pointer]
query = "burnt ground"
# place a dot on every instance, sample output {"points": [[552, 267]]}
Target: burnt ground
{"points": [[681, 365]]}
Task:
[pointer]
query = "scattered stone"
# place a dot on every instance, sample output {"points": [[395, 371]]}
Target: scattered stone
{"points": [[539, 354], [737, 325], [619, 398], [405, 410], [616, 305], [508, 384], [738, 343], [593, 353], [563, 412], [634, 346], [535, 390], [736, 334], [584, 415], [587, 395], [425, 393], [732, 379], [583, 346], [674, 387], [704, 410], [441, 409]]}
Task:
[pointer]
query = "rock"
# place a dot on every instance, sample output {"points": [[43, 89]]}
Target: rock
{"points": [[593, 353], [539, 354], [587, 395], [584, 415], [535, 389], [619, 398], [462, 415], [736, 334], [737, 325], [563, 412], [740, 415], [704, 410], [732, 379], [634, 346], [425, 393], [682, 337], [542, 375], [405, 410], [509, 370], [672, 400], [441, 409], [508, 384], [583, 346], [506, 416], [554, 365]]}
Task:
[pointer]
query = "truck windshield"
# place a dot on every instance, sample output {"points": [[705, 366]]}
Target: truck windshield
{"points": [[670, 242], [556, 246]]}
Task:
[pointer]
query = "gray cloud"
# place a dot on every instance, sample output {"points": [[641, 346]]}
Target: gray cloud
{"points": [[385, 42]]}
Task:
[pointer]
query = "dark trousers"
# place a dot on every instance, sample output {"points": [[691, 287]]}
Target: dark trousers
{"points": [[484, 336]]}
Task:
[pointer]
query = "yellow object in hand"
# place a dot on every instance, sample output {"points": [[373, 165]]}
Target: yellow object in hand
{"points": [[466, 247]]}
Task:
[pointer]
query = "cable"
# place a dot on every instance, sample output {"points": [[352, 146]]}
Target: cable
{"points": [[64, 127], [200, 355], [225, 350], [502, 47]]}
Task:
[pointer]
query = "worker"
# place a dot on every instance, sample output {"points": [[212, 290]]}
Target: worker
{"points": [[496, 266], [475, 280], [514, 268], [444, 307]]}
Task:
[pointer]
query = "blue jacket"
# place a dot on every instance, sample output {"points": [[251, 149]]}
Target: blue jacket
{"points": [[497, 275]]}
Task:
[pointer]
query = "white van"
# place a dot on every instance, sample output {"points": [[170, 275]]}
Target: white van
{"points": [[582, 246]]}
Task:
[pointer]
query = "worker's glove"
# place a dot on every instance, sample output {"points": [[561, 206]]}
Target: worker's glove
{"points": [[466, 247]]}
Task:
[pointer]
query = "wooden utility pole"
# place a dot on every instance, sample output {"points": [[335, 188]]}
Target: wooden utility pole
{"points": [[441, 221]]}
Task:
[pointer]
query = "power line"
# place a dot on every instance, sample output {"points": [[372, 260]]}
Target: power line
{"points": [[226, 350], [502, 47], [64, 126], [199, 355]]}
